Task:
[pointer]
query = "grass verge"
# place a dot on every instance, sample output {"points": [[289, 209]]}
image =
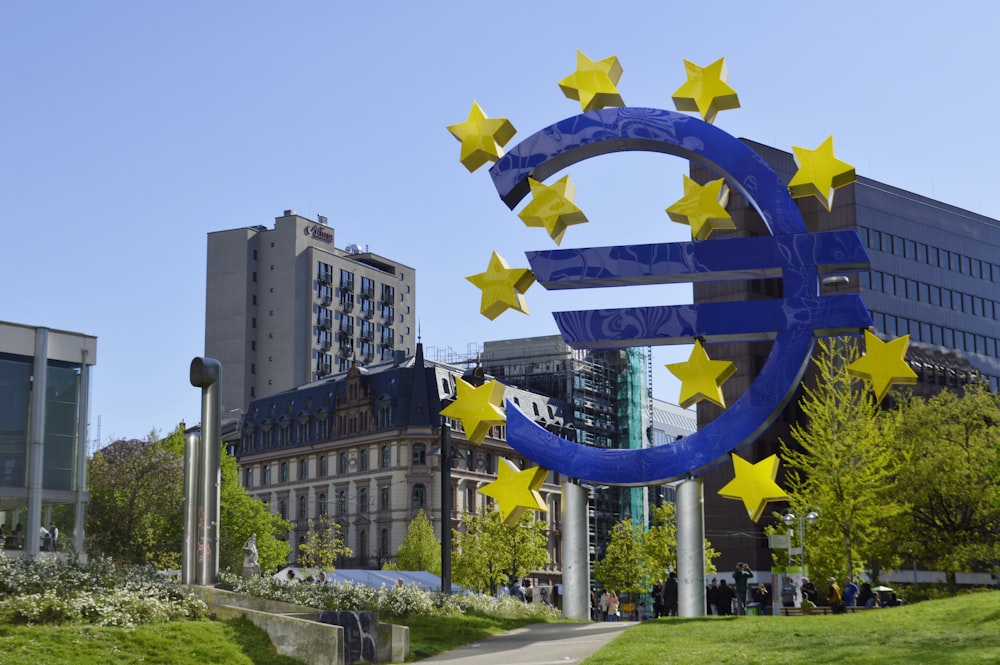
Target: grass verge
{"points": [[431, 635], [956, 631], [236, 642]]}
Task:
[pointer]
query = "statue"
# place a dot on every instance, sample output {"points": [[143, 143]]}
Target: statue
{"points": [[251, 568]]}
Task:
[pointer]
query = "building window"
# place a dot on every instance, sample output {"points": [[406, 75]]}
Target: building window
{"points": [[419, 496], [303, 469], [363, 500], [321, 505], [384, 542], [323, 428], [284, 472], [363, 459], [302, 508], [266, 480], [383, 502], [386, 456], [419, 454], [283, 509], [248, 478], [363, 547], [322, 467], [342, 502], [303, 432], [342, 463]]}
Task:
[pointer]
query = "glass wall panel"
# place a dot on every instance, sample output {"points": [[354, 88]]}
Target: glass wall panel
{"points": [[15, 386]]}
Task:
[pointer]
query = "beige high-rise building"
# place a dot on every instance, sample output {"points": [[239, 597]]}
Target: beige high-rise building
{"points": [[286, 306]]}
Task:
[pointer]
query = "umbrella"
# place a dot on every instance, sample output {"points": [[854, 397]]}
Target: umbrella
{"points": [[880, 589]]}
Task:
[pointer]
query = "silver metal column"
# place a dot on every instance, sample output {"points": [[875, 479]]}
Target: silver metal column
{"points": [[189, 554], [576, 553], [82, 437], [691, 548], [36, 441], [205, 374]]}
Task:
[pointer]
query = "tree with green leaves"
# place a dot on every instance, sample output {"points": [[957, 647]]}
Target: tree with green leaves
{"points": [[659, 543], [135, 514], [324, 544], [949, 484], [622, 567], [635, 558], [420, 550], [845, 463], [241, 516], [487, 552]]}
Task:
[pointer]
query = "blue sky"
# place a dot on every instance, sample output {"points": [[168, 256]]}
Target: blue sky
{"points": [[130, 130]]}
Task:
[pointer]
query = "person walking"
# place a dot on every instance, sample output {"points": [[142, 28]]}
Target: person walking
{"points": [[741, 575], [788, 593], [670, 596], [834, 597], [613, 607], [850, 593], [726, 598], [712, 597]]}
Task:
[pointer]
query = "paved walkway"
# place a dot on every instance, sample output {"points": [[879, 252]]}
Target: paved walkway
{"points": [[537, 644]]}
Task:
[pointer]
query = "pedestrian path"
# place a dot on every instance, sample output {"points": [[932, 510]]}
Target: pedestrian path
{"points": [[537, 644]]}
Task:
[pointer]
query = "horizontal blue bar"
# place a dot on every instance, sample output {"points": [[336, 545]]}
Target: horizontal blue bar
{"points": [[698, 261], [743, 320]]}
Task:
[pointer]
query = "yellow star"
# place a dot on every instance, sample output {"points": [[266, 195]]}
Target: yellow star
{"points": [[503, 287], [703, 208], [883, 364], [819, 173], [552, 208], [478, 408], [754, 484], [706, 91], [481, 137], [516, 491], [593, 83], [702, 378]]}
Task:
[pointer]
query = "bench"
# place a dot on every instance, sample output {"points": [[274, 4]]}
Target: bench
{"points": [[819, 609]]}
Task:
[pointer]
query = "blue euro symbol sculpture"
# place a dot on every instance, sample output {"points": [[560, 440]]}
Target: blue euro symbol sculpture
{"points": [[800, 258]]}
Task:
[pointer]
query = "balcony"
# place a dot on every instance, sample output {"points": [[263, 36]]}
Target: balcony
{"points": [[324, 323], [325, 278]]}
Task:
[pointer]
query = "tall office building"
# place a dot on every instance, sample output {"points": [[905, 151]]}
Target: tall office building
{"points": [[285, 307], [934, 275]]}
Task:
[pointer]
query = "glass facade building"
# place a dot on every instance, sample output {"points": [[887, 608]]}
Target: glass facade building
{"points": [[44, 384]]}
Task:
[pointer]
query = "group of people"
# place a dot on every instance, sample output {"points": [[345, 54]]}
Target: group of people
{"points": [[608, 606], [15, 540]]}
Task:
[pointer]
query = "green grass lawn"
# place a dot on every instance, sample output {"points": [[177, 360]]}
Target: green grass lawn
{"points": [[235, 642], [963, 630]]}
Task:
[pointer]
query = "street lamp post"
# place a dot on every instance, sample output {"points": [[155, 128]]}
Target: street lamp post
{"points": [[445, 507], [812, 516]]}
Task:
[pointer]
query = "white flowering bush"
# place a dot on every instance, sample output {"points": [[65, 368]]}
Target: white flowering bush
{"points": [[396, 601], [36, 591]]}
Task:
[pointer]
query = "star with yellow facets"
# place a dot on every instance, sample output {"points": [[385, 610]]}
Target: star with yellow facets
{"points": [[883, 364], [593, 83], [754, 484], [819, 173], [516, 491], [703, 208], [701, 377], [479, 408], [481, 137], [552, 208], [706, 91], [503, 287]]}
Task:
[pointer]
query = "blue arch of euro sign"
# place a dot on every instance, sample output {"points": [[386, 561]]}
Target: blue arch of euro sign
{"points": [[793, 322]]}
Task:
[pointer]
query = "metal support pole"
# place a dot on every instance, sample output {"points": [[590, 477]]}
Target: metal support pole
{"points": [[691, 548], [445, 507], [206, 374], [576, 552], [36, 438], [189, 555]]}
